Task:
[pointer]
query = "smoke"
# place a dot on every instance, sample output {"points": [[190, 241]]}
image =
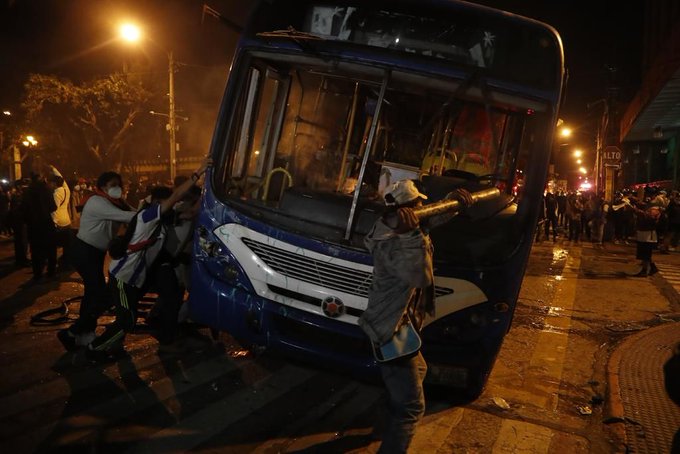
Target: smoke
{"points": [[199, 100]]}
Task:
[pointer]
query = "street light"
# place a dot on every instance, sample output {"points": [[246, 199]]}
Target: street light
{"points": [[578, 153], [132, 33], [565, 132], [29, 141]]}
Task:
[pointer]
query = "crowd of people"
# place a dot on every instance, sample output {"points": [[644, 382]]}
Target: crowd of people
{"points": [[86, 220], [649, 216]]}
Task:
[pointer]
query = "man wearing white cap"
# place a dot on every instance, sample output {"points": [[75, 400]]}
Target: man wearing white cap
{"points": [[401, 293]]}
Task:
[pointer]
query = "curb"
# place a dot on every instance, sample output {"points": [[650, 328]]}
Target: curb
{"points": [[614, 408]]}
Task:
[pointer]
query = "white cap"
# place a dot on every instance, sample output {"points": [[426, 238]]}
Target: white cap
{"points": [[404, 191]]}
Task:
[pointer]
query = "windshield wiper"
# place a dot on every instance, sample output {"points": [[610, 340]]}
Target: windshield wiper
{"points": [[302, 39], [290, 32]]}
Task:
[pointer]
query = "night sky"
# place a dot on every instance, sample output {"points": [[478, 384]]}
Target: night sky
{"points": [[76, 39]]}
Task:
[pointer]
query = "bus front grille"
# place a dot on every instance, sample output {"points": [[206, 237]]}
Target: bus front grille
{"points": [[328, 275], [307, 269]]}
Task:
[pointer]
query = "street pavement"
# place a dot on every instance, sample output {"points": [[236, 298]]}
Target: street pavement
{"points": [[583, 369], [644, 370]]}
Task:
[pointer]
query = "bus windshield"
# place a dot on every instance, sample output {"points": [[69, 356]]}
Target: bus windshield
{"points": [[299, 142]]}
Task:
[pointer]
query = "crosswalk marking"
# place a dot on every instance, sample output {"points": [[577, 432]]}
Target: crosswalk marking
{"points": [[43, 393], [210, 421], [363, 398], [551, 347], [671, 274], [80, 425]]}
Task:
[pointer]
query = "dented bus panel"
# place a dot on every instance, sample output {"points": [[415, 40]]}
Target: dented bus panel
{"points": [[327, 104]]}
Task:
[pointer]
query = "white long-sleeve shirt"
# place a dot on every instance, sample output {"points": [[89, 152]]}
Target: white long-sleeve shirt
{"points": [[100, 220], [62, 196]]}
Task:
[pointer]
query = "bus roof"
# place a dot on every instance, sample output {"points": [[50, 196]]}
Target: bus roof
{"points": [[493, 42]]}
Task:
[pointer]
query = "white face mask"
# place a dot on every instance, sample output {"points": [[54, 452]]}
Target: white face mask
{"points": [[115, 192]]}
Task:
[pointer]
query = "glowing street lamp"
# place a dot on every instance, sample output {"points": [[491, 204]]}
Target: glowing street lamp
{"points": [[579, 161], [578, 153], [565, 132], [130, 32], [582, 170], [29, 141]]}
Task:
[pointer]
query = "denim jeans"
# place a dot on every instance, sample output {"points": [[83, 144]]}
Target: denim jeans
{"points": [[89, 262], [403, 379]]}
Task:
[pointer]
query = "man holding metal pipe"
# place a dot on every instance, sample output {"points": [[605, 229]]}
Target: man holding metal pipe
{"points": [[401, 293]]}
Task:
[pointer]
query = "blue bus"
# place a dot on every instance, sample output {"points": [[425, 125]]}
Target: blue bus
{"points": [[327, 103]]}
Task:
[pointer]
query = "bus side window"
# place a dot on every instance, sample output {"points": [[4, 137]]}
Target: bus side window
{"points": [[263, 137], [262, 105]]}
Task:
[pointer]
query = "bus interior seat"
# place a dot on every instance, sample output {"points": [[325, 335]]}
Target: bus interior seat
{"points": [[474, 163]]}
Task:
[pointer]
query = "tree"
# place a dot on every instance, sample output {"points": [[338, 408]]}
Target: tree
{"points": [[94, 119]]}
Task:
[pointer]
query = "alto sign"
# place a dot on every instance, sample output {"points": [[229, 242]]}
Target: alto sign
{"points": [[611, 153]]}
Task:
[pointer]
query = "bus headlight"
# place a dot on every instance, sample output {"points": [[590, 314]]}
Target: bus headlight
{"points": [[208, 247], [218, 261], [230, 273]]}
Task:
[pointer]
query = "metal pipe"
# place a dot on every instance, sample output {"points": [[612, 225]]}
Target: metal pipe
{"points": [[445, 144], [448, 205], [348, 139], [367, 153], [171, 115]]}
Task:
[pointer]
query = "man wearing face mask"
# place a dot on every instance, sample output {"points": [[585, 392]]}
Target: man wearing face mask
{"points": [[102, 214], [128, 275]]}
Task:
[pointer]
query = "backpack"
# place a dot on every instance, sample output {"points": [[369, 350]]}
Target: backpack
{"points": [[120, 245]]}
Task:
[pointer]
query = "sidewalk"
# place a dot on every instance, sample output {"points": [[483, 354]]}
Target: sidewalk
{"points": [[640, 371]]}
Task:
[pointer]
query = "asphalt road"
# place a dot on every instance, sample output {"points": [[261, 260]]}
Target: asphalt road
{"points": [[545, 394]]}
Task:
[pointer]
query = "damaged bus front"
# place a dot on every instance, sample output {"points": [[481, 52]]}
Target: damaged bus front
{"points": [[326, 105]]}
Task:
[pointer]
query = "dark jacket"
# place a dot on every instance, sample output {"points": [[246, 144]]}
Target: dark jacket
{"points": [[402, 263], [38, 205]]}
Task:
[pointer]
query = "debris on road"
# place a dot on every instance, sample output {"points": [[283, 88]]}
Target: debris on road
{"points": [[626, 327], [500, 402], [585, 410]]}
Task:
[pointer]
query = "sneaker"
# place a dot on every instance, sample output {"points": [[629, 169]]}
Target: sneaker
{"points": [[83, 340], [104, 356], [67, 339]]}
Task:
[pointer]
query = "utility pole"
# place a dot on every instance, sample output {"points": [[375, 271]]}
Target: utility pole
{"points": [[15, 166], [172, 125]]}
